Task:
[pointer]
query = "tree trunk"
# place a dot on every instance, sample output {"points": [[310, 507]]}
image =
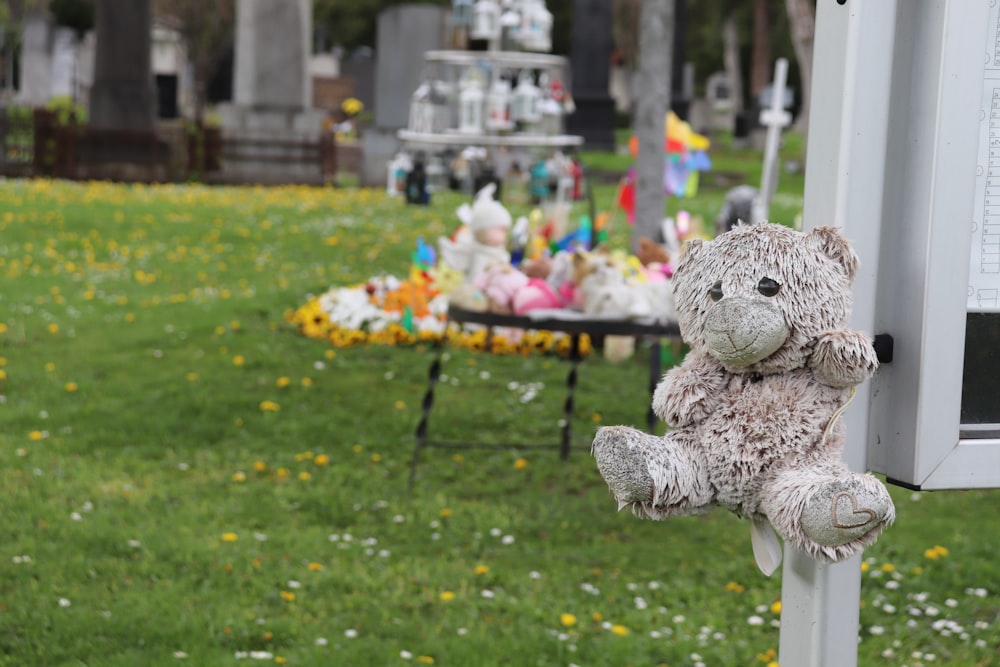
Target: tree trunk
{"points": [[760, 55], [802, 24], [731, 59], [655, 52]]}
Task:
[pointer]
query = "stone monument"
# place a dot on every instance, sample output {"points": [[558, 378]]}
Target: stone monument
{"points": [[271, 117], [122, 96], [403, 34], [36, 59], [591, 43]]}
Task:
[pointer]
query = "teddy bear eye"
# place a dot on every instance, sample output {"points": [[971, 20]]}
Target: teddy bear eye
{"points": [[716, 291], [768, 286]]}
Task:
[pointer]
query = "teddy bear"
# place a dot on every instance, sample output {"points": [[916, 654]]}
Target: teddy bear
{"points": [[754, 408]]}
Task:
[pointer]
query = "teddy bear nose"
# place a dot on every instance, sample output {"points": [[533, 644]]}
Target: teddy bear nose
{"points": [[741, 331]]}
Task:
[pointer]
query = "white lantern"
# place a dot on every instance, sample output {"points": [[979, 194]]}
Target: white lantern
{"points": [[527, 96], [470, 107], [440, 111], [552, 116], [461, 12], [536, 26], [543, 29], [497, 106], [420, 111], [486, 20]]}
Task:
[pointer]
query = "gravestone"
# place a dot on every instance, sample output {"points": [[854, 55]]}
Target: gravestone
{"points": [[594, 118], [36, 59], [271, 119], [65, 63], [122, 96], [403, 34]]}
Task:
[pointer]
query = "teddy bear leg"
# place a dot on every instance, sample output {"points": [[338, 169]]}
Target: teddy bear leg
{"points": [[656, 477], [830, 516]]}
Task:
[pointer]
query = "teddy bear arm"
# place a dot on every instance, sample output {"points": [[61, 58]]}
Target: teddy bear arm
{"points": [[843, 358], [688, 393]]}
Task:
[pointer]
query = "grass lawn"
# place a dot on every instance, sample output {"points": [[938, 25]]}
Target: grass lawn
{"points": [[186, 480]]}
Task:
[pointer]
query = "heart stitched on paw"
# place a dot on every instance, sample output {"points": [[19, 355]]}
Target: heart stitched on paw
{"points": [[845, 512]]}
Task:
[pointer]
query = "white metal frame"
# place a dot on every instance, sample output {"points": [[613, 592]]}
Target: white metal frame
{"points": [[927, 213], [891, 158]]}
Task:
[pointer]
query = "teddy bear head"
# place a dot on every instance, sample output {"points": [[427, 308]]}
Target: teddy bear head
{"points": [[757, 297]]}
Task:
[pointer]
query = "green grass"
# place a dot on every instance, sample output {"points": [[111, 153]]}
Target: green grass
{"points": [[143, 333]]}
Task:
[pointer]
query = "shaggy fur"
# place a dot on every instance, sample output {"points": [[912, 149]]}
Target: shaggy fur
{"points": [[754, 407]]}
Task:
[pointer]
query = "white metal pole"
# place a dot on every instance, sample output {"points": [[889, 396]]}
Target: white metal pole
{"points": [[845, 173], [776, 118]]}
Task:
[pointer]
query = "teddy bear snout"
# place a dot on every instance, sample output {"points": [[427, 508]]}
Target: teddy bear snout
{"points": [[741, 331]]}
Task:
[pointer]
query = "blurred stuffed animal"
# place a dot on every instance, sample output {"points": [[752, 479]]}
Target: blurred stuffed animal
{"points": [[754, 408], [482, 241]]}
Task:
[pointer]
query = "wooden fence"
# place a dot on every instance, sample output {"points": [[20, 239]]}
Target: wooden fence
{"points": [[44, 143]]}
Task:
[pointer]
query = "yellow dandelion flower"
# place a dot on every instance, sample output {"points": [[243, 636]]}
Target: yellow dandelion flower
{"points": [[219, 330], [281, 473], [426, 659], [458, 458], [239, 360], [3, 328], [865, 566], [3, 374], [53, 328], [447, 596], [283, 381], [280, 660], [446, 512], [597, 616], [36, 435], [259, 466], [269, 406], [734, 587], [376, 457], [315, 567], [305, 476], [307, 382], [619, 630], [130, 317], [596, 417], [50, 367], [321, 460], [400, 405], [888, 567], [917, 570], [234, 325], [356, 449], [330, 354], [776, 607], [3, 361], [482, 569], [567, 619], [287, 596], [239, 476], [773, 663], [230, 537], [520, 464]]}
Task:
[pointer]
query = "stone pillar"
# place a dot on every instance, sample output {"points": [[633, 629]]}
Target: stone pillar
{"points": [[123, 96], [273, 48], [36, 59], [403, 34], [594, 118], [272, 121]]}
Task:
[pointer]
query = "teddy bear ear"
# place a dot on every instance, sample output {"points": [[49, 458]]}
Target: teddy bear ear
{"points": [[832, 243]]}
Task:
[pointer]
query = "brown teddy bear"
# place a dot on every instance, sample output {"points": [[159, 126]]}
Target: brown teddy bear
{"points": [[754, 407]]}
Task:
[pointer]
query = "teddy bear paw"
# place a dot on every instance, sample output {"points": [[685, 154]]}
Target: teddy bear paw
{"points": [[620, 452], [847, 509]]}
